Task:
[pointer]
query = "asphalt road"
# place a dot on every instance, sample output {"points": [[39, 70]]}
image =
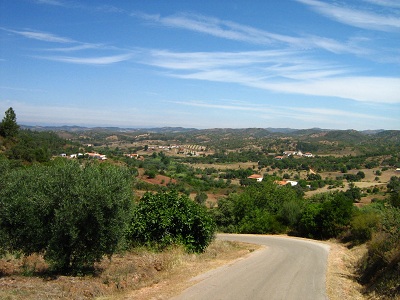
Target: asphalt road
{"points": [[285, 269]]}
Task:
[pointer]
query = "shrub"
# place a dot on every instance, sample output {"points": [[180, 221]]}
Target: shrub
{"points": [[363, 225], [164, 219]]}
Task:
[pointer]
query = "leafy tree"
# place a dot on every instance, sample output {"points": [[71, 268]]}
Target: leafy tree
{"points": [[394, 189], [314, 177], [353, 193], [260, 221], [8, 126], [360, 174], [326, 219], [201, 198], [224, 214], [309, 223], [72, 214], [258, 209], [164, 219]]}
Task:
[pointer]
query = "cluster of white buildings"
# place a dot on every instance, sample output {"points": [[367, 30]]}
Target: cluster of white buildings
{"points": [[93, 155], [297, 153]]}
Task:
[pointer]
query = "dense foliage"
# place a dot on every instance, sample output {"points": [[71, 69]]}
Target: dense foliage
{"points": [[73, 214], [269, 208], [379, 269], [34, 146], [164, 219]]}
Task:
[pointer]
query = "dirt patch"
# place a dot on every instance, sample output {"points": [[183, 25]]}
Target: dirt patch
{"points": [[158, 180]]}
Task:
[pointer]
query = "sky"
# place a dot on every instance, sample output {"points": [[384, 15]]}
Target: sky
{"points": [[332, 64]]}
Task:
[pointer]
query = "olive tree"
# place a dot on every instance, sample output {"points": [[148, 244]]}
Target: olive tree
{"points": [[72, 214]]}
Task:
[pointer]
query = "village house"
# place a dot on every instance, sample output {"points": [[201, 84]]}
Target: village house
{"points": [[96, 155], [132, 155], [290, 153], [257, 177], [285, 182]]}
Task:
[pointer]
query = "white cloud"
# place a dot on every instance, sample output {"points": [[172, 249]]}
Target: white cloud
{"points": [[231, 106], [242, 33], [75, 48], [356, 16], [211, 60], [41, 36], [363, 89], [50, 2], [103, 60], [289, 116], [279, 72], [337, 113]]}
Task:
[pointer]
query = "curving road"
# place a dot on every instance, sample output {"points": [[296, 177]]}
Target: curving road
{"points": [[285, 269]]}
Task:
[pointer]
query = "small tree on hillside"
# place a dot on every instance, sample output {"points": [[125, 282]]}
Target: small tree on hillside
{"points": [[8, 126]]}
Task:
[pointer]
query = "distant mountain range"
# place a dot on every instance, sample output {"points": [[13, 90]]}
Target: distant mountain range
{"points": [[68, 128]]}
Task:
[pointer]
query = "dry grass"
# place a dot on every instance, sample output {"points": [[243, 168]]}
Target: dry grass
{"points": [[341, 282], [139, 274]]}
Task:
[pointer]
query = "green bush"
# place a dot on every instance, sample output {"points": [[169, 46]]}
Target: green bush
{"points": [[73, 214], [260, 221], [309, 223], [363, 225], [323, 220], [164, 219], [379, 269]]}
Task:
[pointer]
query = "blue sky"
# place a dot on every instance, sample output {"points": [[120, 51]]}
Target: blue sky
{"points": [[203, 64]]}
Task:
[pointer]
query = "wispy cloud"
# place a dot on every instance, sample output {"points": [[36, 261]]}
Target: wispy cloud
{"points": [[41, 36], [94, 58], [231, 106], [324, 112], [356, 16], [84, 46], [363, 89], [242, 33], [316, 114], [51, 2], [279, 72], [103, 60]]}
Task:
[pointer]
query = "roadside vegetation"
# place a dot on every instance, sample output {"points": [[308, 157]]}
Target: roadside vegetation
{"points": [[66, 214]]}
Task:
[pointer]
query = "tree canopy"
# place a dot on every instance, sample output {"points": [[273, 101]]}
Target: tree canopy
{"points": [[8, 126]]}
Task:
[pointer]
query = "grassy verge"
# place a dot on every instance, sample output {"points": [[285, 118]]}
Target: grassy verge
{"points": [[138, 274]]}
